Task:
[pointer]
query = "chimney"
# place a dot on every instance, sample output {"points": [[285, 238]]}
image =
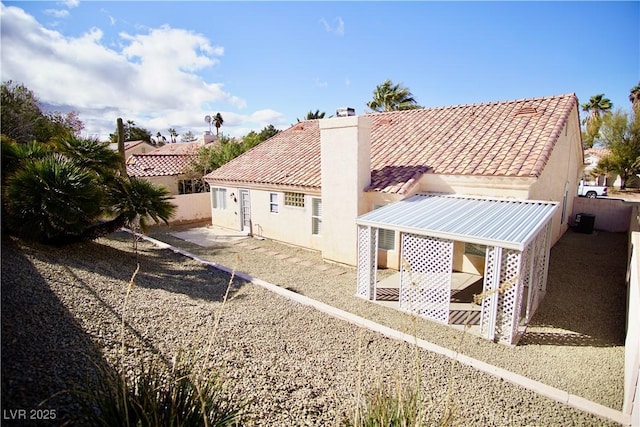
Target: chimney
{"points": [[345, 149], [206, 138], [345, 112]]}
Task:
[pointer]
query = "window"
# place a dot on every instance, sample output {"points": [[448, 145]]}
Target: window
{"points": [[219, 198], [189, 186], [386, 238], [316, 216], [294, 199], [273, 202]]}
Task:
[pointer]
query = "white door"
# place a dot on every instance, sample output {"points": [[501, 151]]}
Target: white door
{"points": [[245, 211]]}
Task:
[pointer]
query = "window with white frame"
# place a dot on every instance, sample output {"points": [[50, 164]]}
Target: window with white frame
{"points": [[294, 199], [316, 216], [386, 238], [273, 202], [219, 198]]}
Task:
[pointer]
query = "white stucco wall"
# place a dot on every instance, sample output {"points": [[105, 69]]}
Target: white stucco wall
{"points": [[291, 224], [563, 171], [345, 146], [229, 217]]}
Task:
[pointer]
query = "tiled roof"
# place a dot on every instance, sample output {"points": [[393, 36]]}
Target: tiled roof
{"points": [[149, 165], [510, 138], [178, 148], [128, 145], [596, 152]]}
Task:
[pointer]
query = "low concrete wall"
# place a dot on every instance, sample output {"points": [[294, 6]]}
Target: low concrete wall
{"points": [[612, 215], [631, 403], [192, 207]]}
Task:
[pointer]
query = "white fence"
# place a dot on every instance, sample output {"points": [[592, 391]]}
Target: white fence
{"points": [[631, 403]]}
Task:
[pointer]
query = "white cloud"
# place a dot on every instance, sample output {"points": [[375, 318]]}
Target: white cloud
{"points": [[347, 82], [320, 83], [71, 3], [57, 13], [151, 77], [338, 29]]}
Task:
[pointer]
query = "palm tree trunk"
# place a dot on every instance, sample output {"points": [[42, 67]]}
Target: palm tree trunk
{"points": [[100, 229]]}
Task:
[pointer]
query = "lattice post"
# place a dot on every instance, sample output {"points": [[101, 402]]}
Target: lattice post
{"points": [[367, 262], [489, 310], [530, 270], [511, 297], [425, 276]]}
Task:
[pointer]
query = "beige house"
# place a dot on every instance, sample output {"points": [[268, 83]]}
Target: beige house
{"points": [[307, 185], [134, 147], [465, 199], [167, 166]]}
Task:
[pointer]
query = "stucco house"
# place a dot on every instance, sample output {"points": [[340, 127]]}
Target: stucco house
{"points": [[167, 166], [452, 197], [307, 185], [591, 158], [134, 147]]}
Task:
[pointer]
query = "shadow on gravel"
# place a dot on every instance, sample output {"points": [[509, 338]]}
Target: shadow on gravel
{"points": [[47, 358], [586, 292], [157, 268]]}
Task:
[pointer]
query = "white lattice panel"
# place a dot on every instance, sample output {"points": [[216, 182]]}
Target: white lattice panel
{"points": [[425, 281], [526, 278], [509, 298], [489, 278], [367, 261], [500, 310]]}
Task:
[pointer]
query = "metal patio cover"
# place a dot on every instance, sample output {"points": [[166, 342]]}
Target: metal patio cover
{"points": [[506, 223]]}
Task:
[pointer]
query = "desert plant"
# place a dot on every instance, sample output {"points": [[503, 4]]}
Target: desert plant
{"points": [[157, 395]]}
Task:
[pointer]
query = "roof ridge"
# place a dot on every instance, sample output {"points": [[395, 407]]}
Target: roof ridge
{"points": [[476, 104]]}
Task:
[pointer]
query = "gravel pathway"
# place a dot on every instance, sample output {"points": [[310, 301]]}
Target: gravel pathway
{"points": [[61, 308]]}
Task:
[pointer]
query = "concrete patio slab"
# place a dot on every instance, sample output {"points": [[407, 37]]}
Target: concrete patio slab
{"points": [[210, 236]]}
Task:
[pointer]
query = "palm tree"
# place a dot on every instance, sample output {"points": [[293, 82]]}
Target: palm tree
{"points": [[52, 198], [218, 121], [634, 96], [596, 108], [127, 130], [317, 115], [174, 135], [74, 191], [392, 97]]}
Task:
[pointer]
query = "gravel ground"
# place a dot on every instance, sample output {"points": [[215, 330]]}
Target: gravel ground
{"points": [[575, 341], [61, 311]]}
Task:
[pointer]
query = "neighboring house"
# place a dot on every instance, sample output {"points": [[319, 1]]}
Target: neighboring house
{"points": [[167, 166], [452, 197], [591, 158], [134, 147]]}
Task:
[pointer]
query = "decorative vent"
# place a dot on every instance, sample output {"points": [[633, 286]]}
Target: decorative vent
{"points": [[526, 111]]}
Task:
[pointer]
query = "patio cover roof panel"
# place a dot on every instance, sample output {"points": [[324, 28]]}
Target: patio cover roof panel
{"points": [[496, 222]]}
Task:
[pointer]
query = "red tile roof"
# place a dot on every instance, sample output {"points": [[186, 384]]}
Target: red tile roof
{"points": [[149, 165], [178, 148], [510, 138]]}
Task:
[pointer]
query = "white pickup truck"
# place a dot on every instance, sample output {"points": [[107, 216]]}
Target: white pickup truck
{"points": [[591, 191]]}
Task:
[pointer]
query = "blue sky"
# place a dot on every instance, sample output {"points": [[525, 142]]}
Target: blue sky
{"points": [[168, 64]]}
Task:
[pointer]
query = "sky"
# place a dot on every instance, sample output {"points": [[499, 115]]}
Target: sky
{"points": [[168, 64]]}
